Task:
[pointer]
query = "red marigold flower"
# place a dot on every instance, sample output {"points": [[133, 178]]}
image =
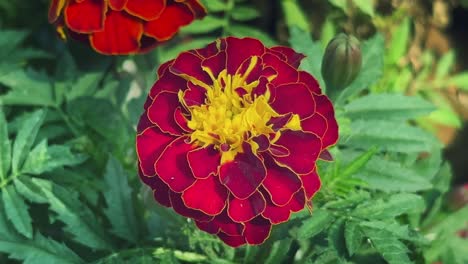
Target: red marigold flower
{"points": [[117, 27], [230, 137]]}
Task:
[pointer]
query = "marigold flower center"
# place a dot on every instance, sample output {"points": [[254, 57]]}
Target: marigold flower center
{"points": [[231, 115]]}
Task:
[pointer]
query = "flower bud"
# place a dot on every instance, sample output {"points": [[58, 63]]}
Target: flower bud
{"points": [[341, 63]]}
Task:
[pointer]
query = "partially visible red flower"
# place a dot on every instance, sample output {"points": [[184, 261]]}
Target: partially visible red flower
{"points": [[230, 137], [117, 27]]}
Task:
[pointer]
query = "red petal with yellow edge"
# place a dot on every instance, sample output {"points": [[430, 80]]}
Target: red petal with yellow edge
{"points": [[194, 95], [144, 123], [216, 63], [207, 195], [208, 227], [310, 81], [183, 210], [243, 175], [286, 73], [145, 9], [304, 103], [161, 112], [257, 230], [222, 223], [311, 183], [55, 9], [281, 183], [168, 82], [212, 49], [121, 35], [93, 21], [149, 146], [169, 22], [160, 189], [292, 58], [233, 241], [117, 5], [181, 119], [316, 124], [188, 65], [197, 8], [204, 161], [172, 165], [325, 108], [304, 148], [239, 50], [279, 214], [247, 209]]}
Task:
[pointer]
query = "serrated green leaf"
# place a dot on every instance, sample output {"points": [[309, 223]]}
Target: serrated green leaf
{"points": [[279, 251], [246, 31], [244, 13], [319, 220], [302, 42], [29, 190], [5, 147], [27, 88], [389, 107], [86, 85], [17, 211], [118, 195], [25, 139], [389, 176], [206, 25], [79, 220], [215, 5], [390, 136], [397, 230], [294, 15], [393, 206], [358, 163], [353, 237], [391, 249], [336, 238], [371, 70]]}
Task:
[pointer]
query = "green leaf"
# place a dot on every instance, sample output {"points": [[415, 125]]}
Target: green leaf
{"points": [[244, 13], [5, 147], [353, 237], [336, 237], [29, 190], [366, 6], [27, 88], [279, 251], [79, 220], [395, 205], [302, 42], [388, 107], [391, 249], [294, 15], [43, 159], [17, 211], [319, 220], [246, 31], [389, 176], [460, 81], [86, 85], [445, 64], [206, 25], [25, 139], [215, 5], [397, 230], [118, 194], [371, 70], [399, 43], [355, 166], [390, 136], [341, 4]]}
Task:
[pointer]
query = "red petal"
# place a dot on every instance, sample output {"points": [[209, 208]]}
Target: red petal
{"points": [[286, 73], [216, 63], [197, 8], [244, 174], [257, 230], [279, 214], [207, 195], [326, 155], [181, 119], [161, 112], [160, 189], [247, 209], [92, 21], [169, 22], [316, 124], [121, 35], [144, 122], [168, 82], [195, 95], [304, 103], [188, 65], [222, 223], [173, 167], [180, 208], [233, 241], [292, 58], [310, 81], [311, 183], [55, 9], [212, 49], [117, 5], [281, 183], [325, 108], [204, 162], [149, 146], [144, 9], [239, 50], [304, 148]]}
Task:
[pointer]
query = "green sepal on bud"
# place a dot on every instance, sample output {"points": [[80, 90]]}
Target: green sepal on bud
{"points": [[341, 62]]}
